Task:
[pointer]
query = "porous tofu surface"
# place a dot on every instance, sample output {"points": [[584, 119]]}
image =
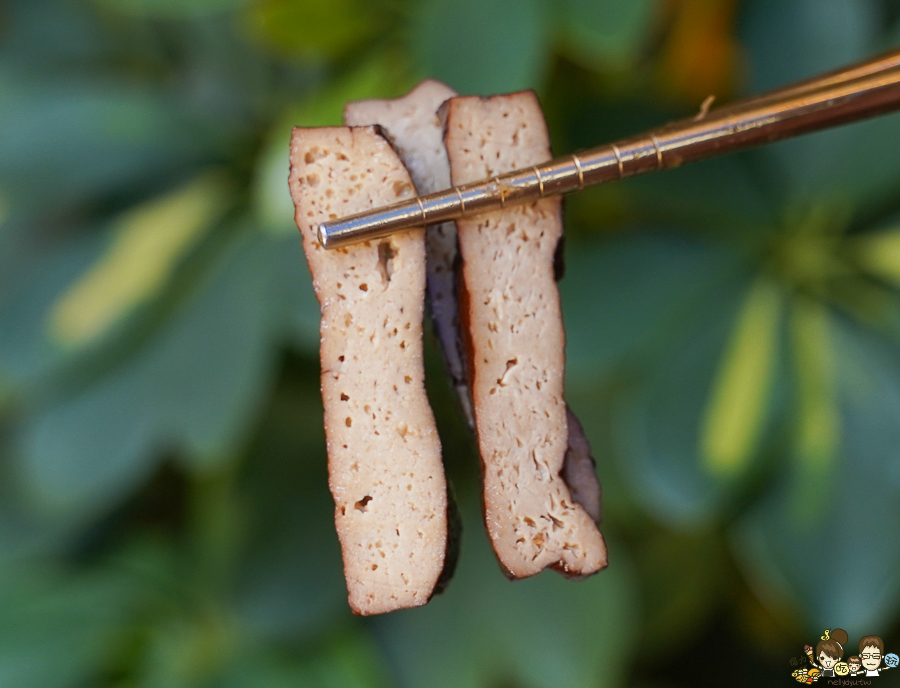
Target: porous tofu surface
{"points": [[511, 310], [384, 455], [414, 129]]}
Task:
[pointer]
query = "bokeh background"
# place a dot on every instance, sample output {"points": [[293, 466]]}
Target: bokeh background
{"points": [[733, 340]]}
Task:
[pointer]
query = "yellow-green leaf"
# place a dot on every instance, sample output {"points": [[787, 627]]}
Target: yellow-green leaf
{"points": [[818, 417], [313, 28], [879, 254], [147, 243], [735, 413]]}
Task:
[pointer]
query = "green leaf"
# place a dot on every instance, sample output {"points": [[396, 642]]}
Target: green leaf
{"points": [[105, 137], [272, 198], [684, 577], [196, 384], [788, 40], [180, 635], [172, 9], [657, 422], [23, 537], [624, 300], [866, 168], [482, 46], [842, 565], [28, 357], [351, 661], [14, 244], [51, 34], [718, 195], [299, 312], [291, 582], [604, 34], [793, 39], [543, 631], [185, 652], [56, 630], [738, 403]]}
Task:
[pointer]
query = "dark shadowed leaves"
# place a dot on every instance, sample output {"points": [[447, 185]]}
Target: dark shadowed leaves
{"points": [[625, 300], [56, 630], [48, 34], [603, 34], [347, 661], [291, 582], [27, 354], [63, 142], [797, 39], [172, 8], [683, 578], [540, 632]]}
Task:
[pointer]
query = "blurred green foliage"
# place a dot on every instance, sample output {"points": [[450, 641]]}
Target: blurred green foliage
{"points": [[733, 338]]}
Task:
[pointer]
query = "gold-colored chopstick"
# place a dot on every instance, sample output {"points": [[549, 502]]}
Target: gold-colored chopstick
{"points": [[854, 93]]}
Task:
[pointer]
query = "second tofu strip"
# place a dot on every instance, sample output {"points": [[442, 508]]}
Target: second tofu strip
{"points": [[510, 314], [411, 124]]}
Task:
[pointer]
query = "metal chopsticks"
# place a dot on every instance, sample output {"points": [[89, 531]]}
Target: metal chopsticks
{"points": [[857, 92]]}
